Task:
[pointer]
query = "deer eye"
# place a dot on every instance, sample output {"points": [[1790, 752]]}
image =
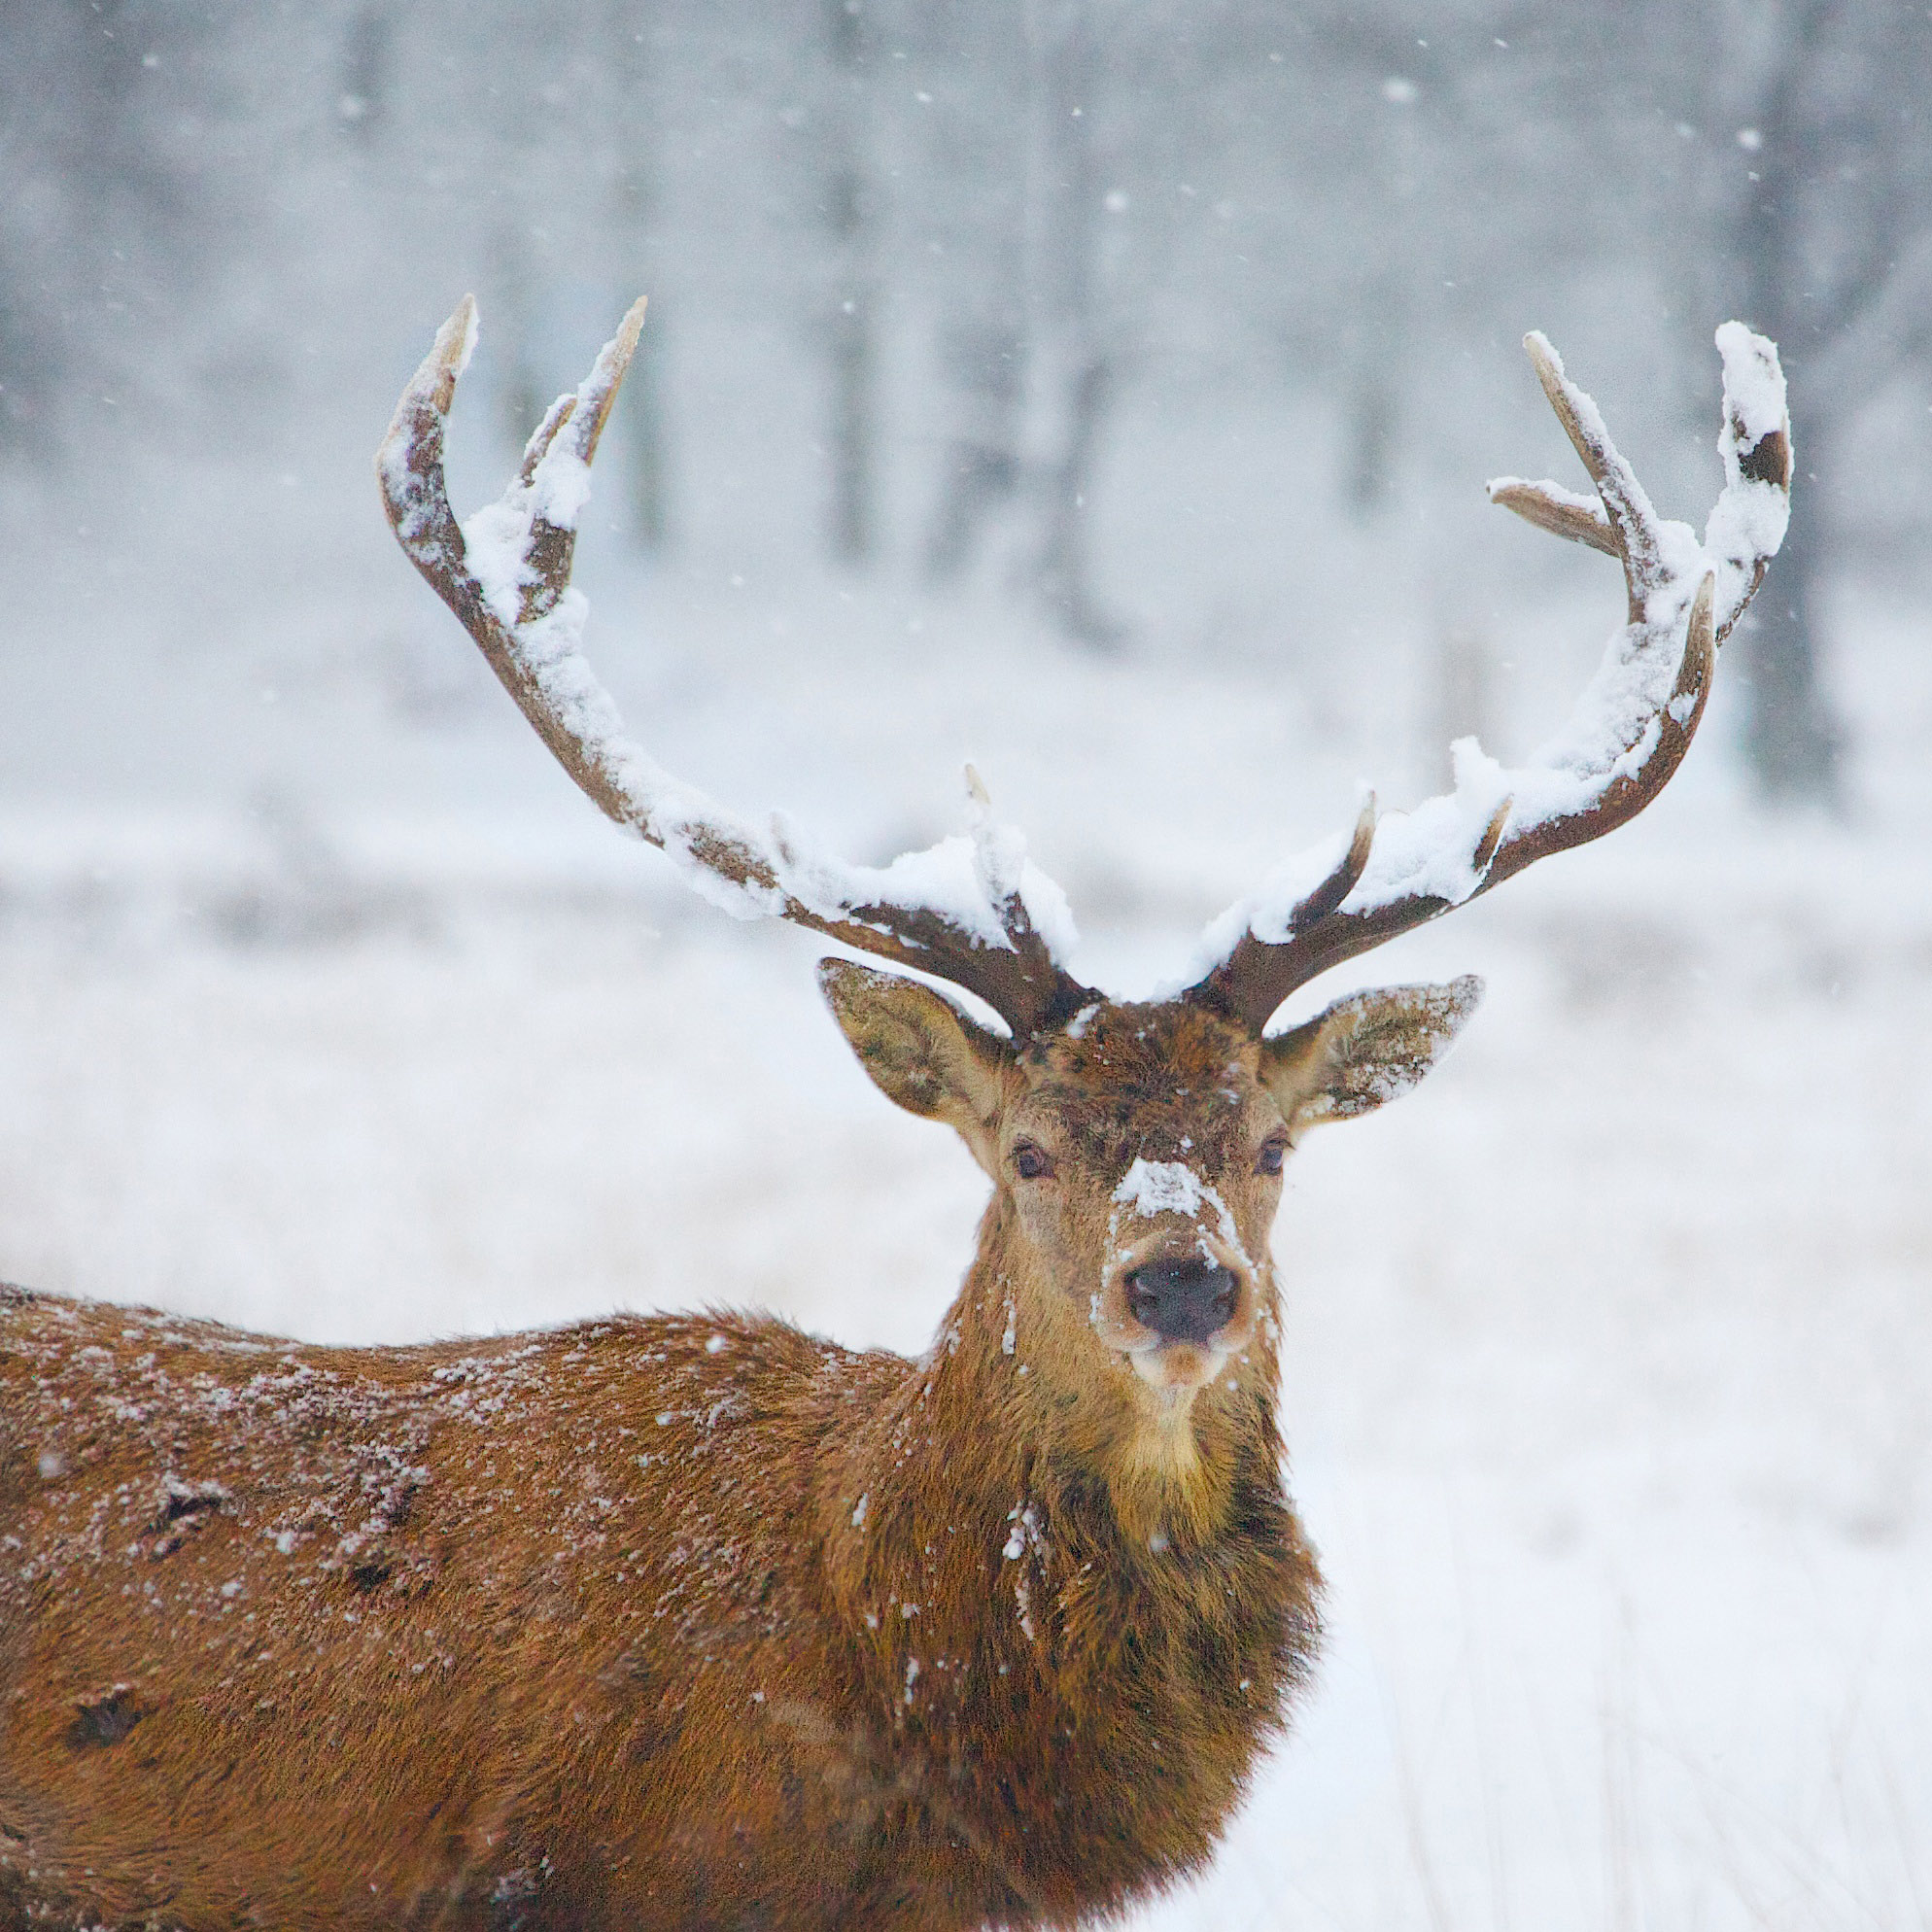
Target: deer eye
{"points": [[1031, 1162], [1274, 1151]]}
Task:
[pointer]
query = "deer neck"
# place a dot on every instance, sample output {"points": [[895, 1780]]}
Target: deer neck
{"points": [[1015, 1422]]}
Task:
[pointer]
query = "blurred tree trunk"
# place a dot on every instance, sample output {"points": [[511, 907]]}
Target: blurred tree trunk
{"points": [[367, 72], [643, 402], [984, 358], [1070, 374], [848, 200], [1794, 744], [629, 73], [35, 350], [522, 399], [1373, 415], [1378, 324], [106, 224], [1826, 246], [1065, 567], [977, 160]]}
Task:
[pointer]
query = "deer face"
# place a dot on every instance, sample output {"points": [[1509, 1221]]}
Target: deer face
{"points": [[1137, 1152], [1142, 1154]]}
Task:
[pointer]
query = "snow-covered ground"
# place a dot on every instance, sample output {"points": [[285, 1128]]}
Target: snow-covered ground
{"points": [[326, 1007]]}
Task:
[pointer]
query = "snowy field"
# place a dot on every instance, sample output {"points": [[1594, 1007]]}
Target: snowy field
{"points": [[326, 1007]]}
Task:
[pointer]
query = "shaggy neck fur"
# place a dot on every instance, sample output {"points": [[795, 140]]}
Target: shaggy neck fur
{"points": [[1042, 1569]]}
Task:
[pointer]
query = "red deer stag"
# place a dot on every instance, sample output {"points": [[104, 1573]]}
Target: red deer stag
{"points": [[699, 1621]]}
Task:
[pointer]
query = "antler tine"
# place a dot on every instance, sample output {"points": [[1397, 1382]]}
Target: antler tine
{"points": [[1560, 511], [1632, 522], [1626, 737], [974, 912]]}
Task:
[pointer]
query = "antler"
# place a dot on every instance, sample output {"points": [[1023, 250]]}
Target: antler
{"points": [[973, 911], [1626, 737]]}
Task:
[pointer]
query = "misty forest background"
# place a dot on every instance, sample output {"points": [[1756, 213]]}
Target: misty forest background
{"points": [[923, 275], [1102, 391]]}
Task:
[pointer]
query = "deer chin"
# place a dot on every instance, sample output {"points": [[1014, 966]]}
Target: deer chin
{"points": [[1176, 1370], [1162, 1485]]}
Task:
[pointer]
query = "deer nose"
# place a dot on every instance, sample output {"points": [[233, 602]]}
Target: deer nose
{"points": [[1185, 1299]]}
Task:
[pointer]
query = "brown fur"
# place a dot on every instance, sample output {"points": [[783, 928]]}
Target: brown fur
{"points": [[692, 1621]]}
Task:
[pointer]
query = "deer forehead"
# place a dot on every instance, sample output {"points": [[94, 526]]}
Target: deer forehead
{"points": [[1153, 1084]]}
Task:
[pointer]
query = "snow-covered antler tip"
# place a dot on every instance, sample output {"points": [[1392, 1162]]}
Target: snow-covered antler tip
{"points": [[972, 911], [1627, 735]]}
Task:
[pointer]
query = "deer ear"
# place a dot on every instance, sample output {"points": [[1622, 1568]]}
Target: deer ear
{"points": [[921, 1052], [1364, 1049]]}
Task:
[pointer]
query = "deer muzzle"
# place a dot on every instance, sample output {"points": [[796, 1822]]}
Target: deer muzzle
{"points": [[1178, 1308], [1183, 1299]]}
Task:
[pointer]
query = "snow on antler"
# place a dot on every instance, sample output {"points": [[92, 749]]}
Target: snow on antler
{"points": [[972, 908], [1620, 745]]}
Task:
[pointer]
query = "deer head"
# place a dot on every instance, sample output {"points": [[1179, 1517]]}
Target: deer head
{"points": [[1136, 1156], [1135, 1150], [1138, 1152]]}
